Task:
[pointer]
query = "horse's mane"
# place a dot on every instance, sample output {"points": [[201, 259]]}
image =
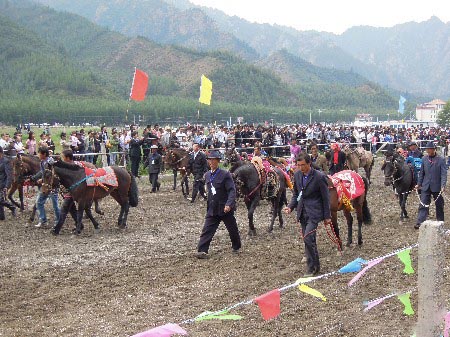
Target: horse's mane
{"points": [[69, 166]]}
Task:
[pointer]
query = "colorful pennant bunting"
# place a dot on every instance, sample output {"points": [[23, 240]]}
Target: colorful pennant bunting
{"points": [[304, 280], [221, 315], [370, 264], [269, 304], [405, 257], [353, 266], [370, 304], [447, 325], [405, 299], [312, 292], [163, 331]]}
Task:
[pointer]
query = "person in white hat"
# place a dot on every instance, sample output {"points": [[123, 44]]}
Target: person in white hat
{"points": [[153, 163]]}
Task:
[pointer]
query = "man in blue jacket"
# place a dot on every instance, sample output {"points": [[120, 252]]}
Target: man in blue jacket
{"points": [[221, 205], [432, 181], [311, 199]]}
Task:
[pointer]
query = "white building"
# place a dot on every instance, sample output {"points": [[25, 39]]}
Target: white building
{"points": [[428, 112]]}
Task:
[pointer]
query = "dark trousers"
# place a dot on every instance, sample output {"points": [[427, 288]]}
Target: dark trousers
{"points": [[153, 177], [210, 227], [199, 186], [309, 228], [4, 203], [135, 165], [68, 206], [425, 198]]}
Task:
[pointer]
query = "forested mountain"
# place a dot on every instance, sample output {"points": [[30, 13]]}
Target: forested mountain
{"points": [[60, 64], [402, 57]]}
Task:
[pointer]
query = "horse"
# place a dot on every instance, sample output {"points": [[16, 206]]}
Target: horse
{"points": [[249, 186], [25, 166], [357, 158], [399, 175], [361, 208], [178, 160], [233, 158], [73, 177]]}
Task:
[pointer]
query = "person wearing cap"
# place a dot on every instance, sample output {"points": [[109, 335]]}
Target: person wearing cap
{"points": [[153, 162], [198, 166], [5, 183], [432, 180], [221, 205], [413, 150]]}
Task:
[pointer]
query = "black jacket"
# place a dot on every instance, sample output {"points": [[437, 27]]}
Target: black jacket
{"points": [[153, 162], [334, 168], [5, 173], [135, 147], [199, 165], [225, 192]]}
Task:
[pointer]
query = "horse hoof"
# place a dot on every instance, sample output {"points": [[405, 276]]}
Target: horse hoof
{"points": [[349, 244], [269, 230], [96, 230], [100, 212], [360, 242]]}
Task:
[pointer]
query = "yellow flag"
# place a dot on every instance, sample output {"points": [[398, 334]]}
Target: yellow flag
{"points": [[311, 291], [205, 91]]}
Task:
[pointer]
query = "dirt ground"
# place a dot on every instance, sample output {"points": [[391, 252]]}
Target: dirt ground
{"points": [[121, 282]]}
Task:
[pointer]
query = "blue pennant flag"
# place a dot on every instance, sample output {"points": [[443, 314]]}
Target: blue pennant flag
{"points": [[353, 266], [401, 104]]}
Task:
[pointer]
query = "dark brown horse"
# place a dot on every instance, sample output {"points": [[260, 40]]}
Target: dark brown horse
{"points": [[361, 209], [233, 158], [178, 160], [249, 186], [73, 178]]}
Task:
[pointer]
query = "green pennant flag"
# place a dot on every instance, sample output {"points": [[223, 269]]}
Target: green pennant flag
{"points": [[222, 315], [405, 257], [405, 299]]}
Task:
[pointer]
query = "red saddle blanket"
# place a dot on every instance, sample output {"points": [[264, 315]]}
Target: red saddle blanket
{"points": [[101, 176], [349, 183]]}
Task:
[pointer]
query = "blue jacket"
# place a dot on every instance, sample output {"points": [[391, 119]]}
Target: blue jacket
{"points": [[315, 196], [225, 192], [433, 174]]}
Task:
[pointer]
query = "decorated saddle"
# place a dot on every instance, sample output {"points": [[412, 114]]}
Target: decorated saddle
{"points": [[103, 177], [266, 171], [349, 185]]}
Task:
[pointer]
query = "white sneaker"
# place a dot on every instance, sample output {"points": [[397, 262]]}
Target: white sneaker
{"points": [[189, 198], [40, 224]]}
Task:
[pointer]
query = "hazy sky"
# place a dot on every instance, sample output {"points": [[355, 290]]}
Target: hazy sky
{"points": [[331, 15]]}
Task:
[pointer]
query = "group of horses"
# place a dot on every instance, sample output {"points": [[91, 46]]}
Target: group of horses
{"points": [[249, 186], [73, 178]]}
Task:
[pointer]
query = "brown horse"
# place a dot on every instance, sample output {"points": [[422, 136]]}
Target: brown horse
{"points": [[361, 209], [178, 160], [73, 178], [357, 158]]}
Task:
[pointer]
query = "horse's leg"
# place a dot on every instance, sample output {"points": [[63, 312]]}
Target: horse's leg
{"points": [[80, 211], [349, 218], [10, 197], [91, 217], [251, 206], [126, 208], [97, 208], [33, 213], [359, 217], [400, 202], [405, 212], [273, 214], [175, 173]]}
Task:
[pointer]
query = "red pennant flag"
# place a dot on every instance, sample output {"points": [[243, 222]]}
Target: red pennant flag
{"points": [[269, 304], [139, 86]]}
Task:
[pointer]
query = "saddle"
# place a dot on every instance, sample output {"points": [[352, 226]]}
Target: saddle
{"points": [[349, 185], [102, 177], [268, 177]]}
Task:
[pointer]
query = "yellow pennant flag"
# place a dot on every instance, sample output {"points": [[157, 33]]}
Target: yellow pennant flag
{"points": [[311, 291], [205, 91]]}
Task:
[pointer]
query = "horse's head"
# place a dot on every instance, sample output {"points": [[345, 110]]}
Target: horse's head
{"points": [[231, 156], [390, 167], [50, 180], [18, 169]]}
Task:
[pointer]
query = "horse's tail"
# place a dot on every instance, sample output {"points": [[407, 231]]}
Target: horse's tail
{"points": [[133, 193], [367, 217]]}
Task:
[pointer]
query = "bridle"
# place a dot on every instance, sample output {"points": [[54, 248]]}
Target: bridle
{"points": [[394, 163], [48, 186]]}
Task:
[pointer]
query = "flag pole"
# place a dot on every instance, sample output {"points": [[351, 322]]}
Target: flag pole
{"points": [[129, 98]]}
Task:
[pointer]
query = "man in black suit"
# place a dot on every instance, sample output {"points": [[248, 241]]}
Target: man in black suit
{"points": [[432, 181], [221, 207], [198, 166], [153, 162], [312, 201]]}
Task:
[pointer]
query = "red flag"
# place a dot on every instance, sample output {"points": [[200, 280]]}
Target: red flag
{"points": [[269, 304], [139, 86]]}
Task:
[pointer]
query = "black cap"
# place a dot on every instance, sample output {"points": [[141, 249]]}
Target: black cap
{"points": [[430, 145], [214, 155]]}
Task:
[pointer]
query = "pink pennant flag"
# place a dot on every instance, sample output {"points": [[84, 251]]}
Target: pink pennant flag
{"points": [[269, 304], [447, 325], [163, 331], [370, 264], [372, 304]]}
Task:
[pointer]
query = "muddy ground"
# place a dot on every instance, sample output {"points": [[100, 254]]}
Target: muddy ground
{"points": [[121, 282]]}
